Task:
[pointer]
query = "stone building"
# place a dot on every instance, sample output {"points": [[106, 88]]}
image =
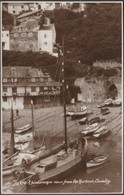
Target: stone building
{"points": [[98, 89], [22, 84], [34, 32]]}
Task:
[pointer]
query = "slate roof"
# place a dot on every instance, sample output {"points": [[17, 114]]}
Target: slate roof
{"points": [[28, 14]]}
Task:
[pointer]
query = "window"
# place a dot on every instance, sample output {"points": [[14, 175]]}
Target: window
{"points": [[30, 34], [33, 80], [4, 99], [45, 79], [16, 35], [41, 79], [23, 34], [9, 79], [46, 88], [14, 90], [4, 89], [45, 43], [14, 80], [46, 98], [50, 88], [41, 89], [54, 88], [3, 45], [4, 80], [33, 89], [45, 36]]}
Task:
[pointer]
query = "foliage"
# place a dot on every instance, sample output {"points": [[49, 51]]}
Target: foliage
{"points": [[97, 36], [7, 19], [35, 59]]}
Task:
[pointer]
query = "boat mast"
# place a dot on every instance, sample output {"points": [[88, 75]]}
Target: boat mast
{"points": [[64, 94], [12, 143], [32, 113]]}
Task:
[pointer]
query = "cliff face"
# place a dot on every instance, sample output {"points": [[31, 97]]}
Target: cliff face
{"points": [[95, 89]]}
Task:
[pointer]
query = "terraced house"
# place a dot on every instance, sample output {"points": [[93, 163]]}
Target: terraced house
{"points": [[23, 84]]}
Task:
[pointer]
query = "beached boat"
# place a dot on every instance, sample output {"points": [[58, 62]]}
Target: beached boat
{"points": [[77, 112], [102, 133], [83, 121], [105, 111], [97, 161], [94, 120], [90, 129], [117, 102], [24, 129], [23, 138], [101, 129]]}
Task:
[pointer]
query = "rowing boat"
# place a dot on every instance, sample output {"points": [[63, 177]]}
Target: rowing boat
{"points": [[96, 161], [24, 129], [90, 129]]}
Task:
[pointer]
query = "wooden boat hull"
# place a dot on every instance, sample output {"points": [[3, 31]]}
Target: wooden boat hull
{"points": [[91, 129], [83, 121], [58, 173], [24, 129], [101, 134], [7, 172], [97, 161]]}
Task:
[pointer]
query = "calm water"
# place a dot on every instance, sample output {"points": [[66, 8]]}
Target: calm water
{"points": [[82, 182]]}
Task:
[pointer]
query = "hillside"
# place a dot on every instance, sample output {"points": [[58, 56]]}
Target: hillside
{"points": [[94, 34], [91, 35]]}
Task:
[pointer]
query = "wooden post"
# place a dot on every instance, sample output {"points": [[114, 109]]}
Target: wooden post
{"points": [[32, 113], [12, 143]]}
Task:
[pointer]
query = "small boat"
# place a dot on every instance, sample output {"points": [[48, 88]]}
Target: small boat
{"points": [[24, 128], [94, 120], [23, 138], [83, 121], [22, 146], [103, 133], [77, 112], [100, 129], [96, 161], [117, 102], [108, 102], [92, 128], [105, 111]]}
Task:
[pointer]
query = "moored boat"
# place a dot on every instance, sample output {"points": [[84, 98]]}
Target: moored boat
{"points": [[24, 129], [77, 112], [97, 161], [83, 121], [90, 129], [101, 134]]}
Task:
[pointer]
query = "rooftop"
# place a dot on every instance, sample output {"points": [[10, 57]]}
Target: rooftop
{"points": [[29, 14]]}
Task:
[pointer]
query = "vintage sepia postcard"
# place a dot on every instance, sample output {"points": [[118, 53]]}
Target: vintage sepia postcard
{"points": [[61, 97]]}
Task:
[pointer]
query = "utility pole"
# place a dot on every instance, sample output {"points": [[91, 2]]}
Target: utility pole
{"points": [[12, 143]]}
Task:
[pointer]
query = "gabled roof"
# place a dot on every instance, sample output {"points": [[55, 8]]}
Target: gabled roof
{"points": [[29, 14]]}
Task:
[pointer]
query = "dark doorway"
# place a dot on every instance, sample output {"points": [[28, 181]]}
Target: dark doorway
{"points": [[112, 92]]}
